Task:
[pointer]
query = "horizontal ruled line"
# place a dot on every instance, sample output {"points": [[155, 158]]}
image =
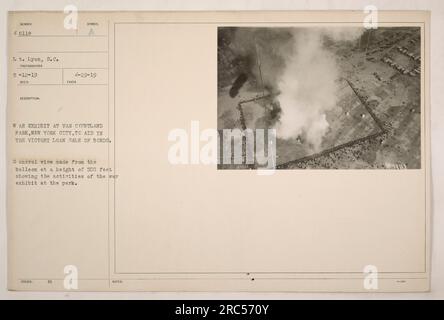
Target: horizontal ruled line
{"points": [[61, 68], [63, 35], [62, 84], [62, 51]]}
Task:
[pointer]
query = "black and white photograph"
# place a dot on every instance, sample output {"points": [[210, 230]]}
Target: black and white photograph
{"points": [[158, 153], [337, 97]]}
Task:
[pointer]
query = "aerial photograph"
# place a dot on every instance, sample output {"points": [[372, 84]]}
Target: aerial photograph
{"points": [[336, 97]]}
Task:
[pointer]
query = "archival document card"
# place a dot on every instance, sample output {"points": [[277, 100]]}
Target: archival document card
{"points": [[218, 151]]}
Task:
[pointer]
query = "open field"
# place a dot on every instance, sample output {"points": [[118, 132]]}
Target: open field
{"points": [[344, 100]]}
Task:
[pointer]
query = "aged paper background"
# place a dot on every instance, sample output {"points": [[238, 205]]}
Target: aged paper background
{"points": [[291, 231]]}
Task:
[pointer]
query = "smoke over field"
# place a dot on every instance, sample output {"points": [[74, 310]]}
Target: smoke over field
{"points": [[308, 88], [301, 77]]}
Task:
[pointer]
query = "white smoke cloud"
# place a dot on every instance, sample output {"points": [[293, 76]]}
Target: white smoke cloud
{"points": [[298, 63], [308, 84], [308, 89]]}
